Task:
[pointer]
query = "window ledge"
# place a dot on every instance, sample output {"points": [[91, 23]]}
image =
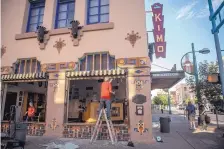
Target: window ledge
{"points": [[86, 28], [25, 36]]}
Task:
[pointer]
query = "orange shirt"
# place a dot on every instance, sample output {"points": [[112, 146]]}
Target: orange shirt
{"points": [[106, 88], [31, 111]]}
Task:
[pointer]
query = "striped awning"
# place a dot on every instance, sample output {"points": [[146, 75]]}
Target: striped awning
{"points": [[97, 73], [24, 77]]}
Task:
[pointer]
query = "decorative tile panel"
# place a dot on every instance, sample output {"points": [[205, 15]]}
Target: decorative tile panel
{"points": [[33, 129], [85, 132]]}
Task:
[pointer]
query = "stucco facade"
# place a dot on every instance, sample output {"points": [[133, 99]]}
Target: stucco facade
{"points": [[124, 37], [122, 20]]}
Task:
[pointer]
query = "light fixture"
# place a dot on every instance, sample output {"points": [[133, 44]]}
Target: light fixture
{"points": [[204, 51]]}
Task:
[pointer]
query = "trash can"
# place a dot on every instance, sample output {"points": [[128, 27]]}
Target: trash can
{"points": [[21, 130], [165, 124]]}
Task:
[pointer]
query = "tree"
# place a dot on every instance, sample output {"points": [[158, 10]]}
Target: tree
{"points": [[208, 91], [194, 101], [160, 99], [164, 99], [157, 100]]}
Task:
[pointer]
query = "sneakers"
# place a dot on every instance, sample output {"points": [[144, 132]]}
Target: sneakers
{"points": [[192, 128]]}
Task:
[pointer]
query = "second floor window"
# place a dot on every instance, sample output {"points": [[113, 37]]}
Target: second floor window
{"points": [[36, 15], [27, 66], [99, 61], [65, 13], [98, 11]]}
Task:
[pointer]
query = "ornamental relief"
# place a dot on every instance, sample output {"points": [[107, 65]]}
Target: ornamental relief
{"points": [[133, 37], [3, 50]]}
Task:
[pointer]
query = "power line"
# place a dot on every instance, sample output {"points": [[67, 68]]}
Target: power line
{"points": [[160, 66]]}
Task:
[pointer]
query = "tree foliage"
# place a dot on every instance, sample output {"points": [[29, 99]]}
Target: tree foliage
{"points": [[160, 99], [208, 91], [157, 100], [194, 101]]}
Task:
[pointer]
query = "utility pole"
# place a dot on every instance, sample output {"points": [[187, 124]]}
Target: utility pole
{"points": [[215, 30]]}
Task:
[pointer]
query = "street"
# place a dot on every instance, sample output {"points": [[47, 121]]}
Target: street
{"points": [[180, 137]]}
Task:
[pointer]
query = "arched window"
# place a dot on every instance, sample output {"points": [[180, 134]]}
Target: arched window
{"points": [[29, 65], [97, 61]]}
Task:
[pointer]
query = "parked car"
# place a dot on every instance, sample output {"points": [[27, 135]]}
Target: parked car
{"points": [[182, 107]]}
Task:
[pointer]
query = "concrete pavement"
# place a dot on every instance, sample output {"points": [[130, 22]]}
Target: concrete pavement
{"points": [[180, 137]]}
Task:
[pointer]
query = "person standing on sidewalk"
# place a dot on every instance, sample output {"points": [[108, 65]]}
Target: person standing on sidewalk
{"points": [[162, 109], [202, 117], [106, 91], [190, 109]]}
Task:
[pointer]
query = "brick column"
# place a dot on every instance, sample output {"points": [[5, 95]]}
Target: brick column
{"points": [[139, 95], [55, 104]]}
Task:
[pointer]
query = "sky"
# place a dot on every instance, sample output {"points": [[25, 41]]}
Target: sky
{"points": [[186, 22]]}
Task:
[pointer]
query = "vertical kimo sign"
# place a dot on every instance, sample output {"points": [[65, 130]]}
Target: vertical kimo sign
{"points": [[159, 31]]}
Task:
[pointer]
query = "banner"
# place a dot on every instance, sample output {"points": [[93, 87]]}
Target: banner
{"points": [[159, 31]]}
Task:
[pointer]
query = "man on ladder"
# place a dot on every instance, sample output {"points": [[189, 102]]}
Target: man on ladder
{"points": [[105, 98]]}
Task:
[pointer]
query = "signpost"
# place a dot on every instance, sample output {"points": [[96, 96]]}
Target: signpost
{"points": [[159, 31]]}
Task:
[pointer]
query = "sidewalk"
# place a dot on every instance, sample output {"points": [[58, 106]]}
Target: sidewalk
{"points": [[180, 137], [183, 138]]}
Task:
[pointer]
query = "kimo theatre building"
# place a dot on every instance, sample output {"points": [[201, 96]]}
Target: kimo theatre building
{"points": [[59, 67], [66, 95]]}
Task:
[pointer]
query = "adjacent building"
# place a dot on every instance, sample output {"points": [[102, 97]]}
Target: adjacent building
{"points": [[183, 92]]}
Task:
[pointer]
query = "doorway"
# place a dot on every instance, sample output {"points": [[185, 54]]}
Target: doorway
{"points": [[11, 99]]}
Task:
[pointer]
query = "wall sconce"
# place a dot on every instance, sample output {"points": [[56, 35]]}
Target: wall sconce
{"points": [[41, 31], [75, 28]]}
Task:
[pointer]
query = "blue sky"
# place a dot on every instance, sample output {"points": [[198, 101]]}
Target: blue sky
{"points": [[186, 21]]}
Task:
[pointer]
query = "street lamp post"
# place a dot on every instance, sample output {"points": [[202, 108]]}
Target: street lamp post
{"points": [[169, 102], [195, 70], [196, 73], [168, 99]]}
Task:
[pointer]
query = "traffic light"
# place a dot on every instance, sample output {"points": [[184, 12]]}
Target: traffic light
{"points": [[214, 78]]}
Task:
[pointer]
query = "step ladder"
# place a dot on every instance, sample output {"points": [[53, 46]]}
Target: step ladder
{"points": [[110, 127]]}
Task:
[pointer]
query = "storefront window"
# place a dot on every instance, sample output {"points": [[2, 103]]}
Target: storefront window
{"points": [[38, 102]]}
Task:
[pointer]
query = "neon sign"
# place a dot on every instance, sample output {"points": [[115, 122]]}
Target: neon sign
{"points": [[159, 31]]}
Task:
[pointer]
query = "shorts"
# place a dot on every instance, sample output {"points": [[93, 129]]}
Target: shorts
{"points": [[192, 117]]}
